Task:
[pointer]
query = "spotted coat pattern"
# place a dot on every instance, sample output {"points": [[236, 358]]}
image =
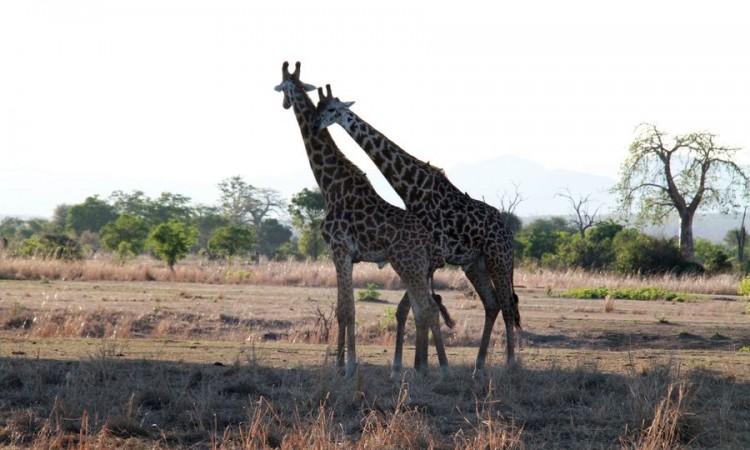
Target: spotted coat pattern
{"points": [[469, 232], [360, 226]]}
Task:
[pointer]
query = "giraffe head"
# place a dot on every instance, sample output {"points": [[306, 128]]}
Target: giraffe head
{"points": [[330, 109], [290, 81]]}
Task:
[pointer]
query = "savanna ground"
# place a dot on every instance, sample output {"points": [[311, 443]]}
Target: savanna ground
{"points": [[171, 364]]}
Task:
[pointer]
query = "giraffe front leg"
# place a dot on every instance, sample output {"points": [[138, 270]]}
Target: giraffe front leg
{"points": [[402, 313], [345, 311]]}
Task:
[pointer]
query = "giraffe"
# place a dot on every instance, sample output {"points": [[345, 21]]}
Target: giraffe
{"points": [[360, 226], [470, 233]]}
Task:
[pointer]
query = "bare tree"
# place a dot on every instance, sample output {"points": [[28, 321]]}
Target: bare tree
{"points": [[508, 202], [681, 174], [584, 217]]}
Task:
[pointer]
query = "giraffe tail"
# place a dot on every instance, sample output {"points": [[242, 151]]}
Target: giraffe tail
{"points": [[443, 311]]}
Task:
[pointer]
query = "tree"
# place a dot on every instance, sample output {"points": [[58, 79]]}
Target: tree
{"points": [[125, 236], [543, 236], [660, 176], [167, 206], [90, 215], [207, 219], [307, 209], [231, 240], [171, 241], [243, 203], [135, 204], [583, 218], [271, 236], [59, 218]]}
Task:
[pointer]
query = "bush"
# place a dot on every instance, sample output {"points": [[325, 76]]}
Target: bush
{"points": [[231, 240], [171, 241], [50, 246], [638, 253], [126, 236], [744, 286], [712, 256], [645, 293], [369, 294]]}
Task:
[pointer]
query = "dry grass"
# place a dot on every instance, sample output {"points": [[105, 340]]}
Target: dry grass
{"points": [[106, 402], [322, 274]]}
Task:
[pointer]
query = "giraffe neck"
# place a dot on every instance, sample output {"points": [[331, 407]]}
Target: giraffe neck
{"points": [[410, 177], [328, 164]]}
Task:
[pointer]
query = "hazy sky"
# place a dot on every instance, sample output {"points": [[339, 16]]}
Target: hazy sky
{"points": [[176, 95]]}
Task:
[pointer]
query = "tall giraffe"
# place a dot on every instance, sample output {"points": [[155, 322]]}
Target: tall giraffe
{"points": [[470, 233], [360, 226]]}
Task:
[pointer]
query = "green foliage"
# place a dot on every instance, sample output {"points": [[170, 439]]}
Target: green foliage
{"points": [[91, 215], [126, 236], [744, 286], [271, 236], [50, 246], [713, 257], [744, 349], [307, 209], [206, 219], [543, 236], [388, 322], [644, 293], [231, 240], [171, 241], [638, 253], [16, 230], [168, 206], [369, 294]]}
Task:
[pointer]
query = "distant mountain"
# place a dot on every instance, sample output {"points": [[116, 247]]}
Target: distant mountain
{"points": [[537, 184]]}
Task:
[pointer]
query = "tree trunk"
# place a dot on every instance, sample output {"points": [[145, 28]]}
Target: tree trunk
{"points": [[687, 245]]}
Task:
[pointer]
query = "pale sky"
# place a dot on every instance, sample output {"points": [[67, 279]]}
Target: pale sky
{"points": [[176, 95]]}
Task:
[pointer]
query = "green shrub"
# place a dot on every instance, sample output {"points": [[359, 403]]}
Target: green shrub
{"points": [[388, 322], [369, 294], [644, 293], [590, 293], [744, 287], [171, 241], [636, 252], [51, 246]]}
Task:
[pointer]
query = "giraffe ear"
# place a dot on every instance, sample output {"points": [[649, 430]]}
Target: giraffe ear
{"points": [[308, 87], [348, 104]]}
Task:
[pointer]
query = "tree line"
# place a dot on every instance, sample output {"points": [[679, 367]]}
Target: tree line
{"points": [[662, 175], [247, 221]]}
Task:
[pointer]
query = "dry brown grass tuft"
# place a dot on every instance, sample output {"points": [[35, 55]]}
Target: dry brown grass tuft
{"points": [[668, 429]]}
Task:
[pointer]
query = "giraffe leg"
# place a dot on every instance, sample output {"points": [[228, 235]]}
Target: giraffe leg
{"points": [[402, 313], [437, 337], [501, 271], [345, 311], [479, 278], [427, 318]]}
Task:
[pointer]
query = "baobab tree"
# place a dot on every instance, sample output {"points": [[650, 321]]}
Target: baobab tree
{"points": [[681, 174]]}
